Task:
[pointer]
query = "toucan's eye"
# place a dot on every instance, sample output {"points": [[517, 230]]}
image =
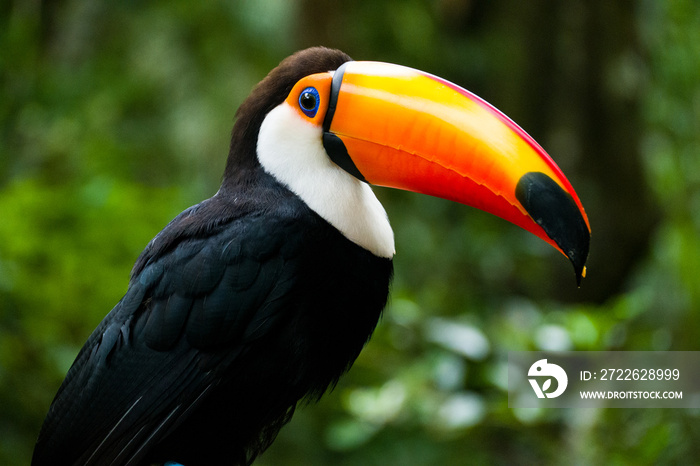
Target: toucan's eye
{"points": [[308, 101]]}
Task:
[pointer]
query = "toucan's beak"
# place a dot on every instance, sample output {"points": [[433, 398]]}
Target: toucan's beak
{"points": [[398, 127]]}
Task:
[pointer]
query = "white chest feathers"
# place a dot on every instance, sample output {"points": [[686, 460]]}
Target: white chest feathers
{"points": [[291, 150]]}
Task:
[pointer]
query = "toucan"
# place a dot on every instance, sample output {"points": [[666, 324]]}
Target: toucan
{"points": [[263, 295]]}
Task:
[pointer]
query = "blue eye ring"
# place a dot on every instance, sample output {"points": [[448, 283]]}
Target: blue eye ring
{"points": [[309, 101]]}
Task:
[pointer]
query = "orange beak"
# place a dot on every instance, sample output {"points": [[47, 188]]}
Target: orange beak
{"points": [[398, 127]]}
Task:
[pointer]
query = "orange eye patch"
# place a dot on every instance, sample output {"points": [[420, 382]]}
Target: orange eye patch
{"points": [[310, 96]]}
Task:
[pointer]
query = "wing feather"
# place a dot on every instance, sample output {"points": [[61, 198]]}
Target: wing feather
{"points": [[158, 353]]}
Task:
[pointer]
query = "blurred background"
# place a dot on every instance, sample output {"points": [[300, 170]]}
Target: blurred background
{"points": [[115, 116]]}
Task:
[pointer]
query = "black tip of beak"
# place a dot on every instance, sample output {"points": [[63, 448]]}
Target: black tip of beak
{"points": [[557, 213]]}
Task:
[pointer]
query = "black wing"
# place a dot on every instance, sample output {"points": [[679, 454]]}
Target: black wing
{"points": [[172, 340]]}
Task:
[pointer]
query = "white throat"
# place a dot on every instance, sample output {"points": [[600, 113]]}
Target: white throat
{"points": [[291, 150]]}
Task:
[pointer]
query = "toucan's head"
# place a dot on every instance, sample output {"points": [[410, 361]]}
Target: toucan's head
{"points": [[325, 126]]}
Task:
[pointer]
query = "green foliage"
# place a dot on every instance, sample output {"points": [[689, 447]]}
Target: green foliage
{"points": [[114, 117]]}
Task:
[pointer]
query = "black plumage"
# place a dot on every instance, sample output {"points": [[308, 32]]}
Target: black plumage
{"points": [[234, 313]]}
